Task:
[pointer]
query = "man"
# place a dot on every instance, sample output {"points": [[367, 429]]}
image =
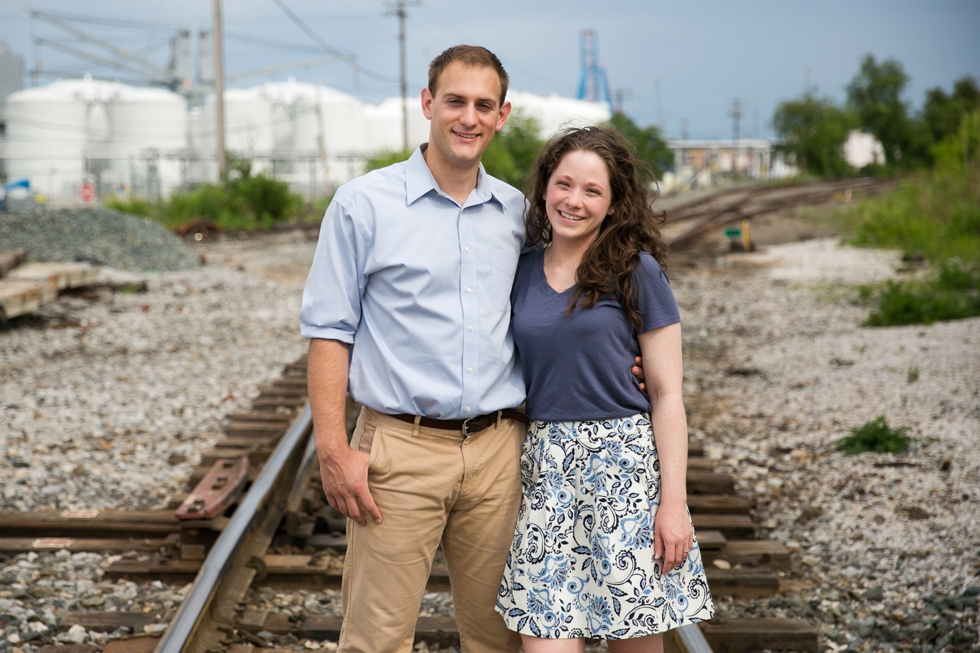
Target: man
{"points": [[408, 303]]}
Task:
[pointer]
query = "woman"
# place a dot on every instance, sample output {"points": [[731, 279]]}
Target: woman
{"points": [[604, 547]]}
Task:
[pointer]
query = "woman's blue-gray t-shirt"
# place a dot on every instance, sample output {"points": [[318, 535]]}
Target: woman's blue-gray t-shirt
{"points": [[578, 367]]}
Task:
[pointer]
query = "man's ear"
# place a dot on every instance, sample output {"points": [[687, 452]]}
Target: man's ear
{"points": [[427, 100], [502, 118]]}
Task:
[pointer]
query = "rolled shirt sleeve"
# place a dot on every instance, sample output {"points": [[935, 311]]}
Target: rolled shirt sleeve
{"points": [[332, 296]]}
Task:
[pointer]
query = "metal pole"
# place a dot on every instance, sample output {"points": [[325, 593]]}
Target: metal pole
{"points": [[398, 9], [401, 70], [219, 92]]}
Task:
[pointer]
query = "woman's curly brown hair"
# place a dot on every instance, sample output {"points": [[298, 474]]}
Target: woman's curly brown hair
{"points": [[608, 265]]}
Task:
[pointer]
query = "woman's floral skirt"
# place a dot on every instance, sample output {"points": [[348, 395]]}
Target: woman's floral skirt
{"points": [[581, 564]]}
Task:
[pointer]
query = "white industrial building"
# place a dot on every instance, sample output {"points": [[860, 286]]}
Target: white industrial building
{"points": [[69, 132], [146, 141]]}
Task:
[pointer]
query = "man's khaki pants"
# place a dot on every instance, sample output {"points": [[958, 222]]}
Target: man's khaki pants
{"points": [[431, 486]]}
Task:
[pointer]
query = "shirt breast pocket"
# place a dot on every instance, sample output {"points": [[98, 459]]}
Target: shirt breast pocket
{"points": [[503, 265]]}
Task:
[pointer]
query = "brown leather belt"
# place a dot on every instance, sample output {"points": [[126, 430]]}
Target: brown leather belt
{"points": [[467, 426]]}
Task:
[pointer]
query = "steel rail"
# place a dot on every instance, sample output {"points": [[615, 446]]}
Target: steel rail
{"points": [[232, 564]]}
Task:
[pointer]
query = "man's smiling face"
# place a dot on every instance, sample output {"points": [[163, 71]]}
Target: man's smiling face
{"points": [[465, 112]]}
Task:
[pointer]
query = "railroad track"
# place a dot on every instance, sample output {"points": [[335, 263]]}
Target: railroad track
{"points": [[256, 498], [257, 493], [691, 220]]}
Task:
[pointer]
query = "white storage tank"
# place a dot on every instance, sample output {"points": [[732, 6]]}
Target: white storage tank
{"points": [[72, 131], [555, 112], [146, 122], [383, 125], [277, 126], [46, 138]]}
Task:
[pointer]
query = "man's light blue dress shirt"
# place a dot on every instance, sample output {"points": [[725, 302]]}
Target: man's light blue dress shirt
{"points": [[420, 286]]}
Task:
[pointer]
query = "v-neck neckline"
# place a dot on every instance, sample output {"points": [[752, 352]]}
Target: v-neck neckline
{"points": [[544, 279]]}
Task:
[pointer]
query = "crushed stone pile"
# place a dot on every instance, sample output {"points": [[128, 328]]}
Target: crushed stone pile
{"points": [[111, 238]]}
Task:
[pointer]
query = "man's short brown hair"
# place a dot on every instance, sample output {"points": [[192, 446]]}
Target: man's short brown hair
{"points": [[468, 55]]}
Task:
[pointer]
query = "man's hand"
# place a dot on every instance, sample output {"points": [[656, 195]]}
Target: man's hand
{"points": [[345, 482], [637, 371]]}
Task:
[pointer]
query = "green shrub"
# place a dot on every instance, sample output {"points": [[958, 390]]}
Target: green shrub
{"points": [[133, 205], [951, 294], [876, 436]]}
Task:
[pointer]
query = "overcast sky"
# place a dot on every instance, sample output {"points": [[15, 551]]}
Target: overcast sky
{"points": [[701, 54]]}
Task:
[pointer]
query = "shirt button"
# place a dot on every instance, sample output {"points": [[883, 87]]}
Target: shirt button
{"points": [[467, 289], [467, 409], [467, 249], [471, 328], [469, 369]]}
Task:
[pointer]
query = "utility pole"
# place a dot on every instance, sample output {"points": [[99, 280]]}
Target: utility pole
{"points": [[736, 115], [219, 91], [398, 9]]}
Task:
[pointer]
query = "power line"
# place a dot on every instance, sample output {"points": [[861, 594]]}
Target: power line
{"points": [[351, 59]]}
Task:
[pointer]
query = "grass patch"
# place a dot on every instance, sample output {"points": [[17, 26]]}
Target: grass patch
{"points": [[912, 375], [952, 293], [875, 436], [935, 219]]}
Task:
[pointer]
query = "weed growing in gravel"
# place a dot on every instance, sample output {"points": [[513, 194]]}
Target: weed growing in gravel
{"points": [[934, 219], [952, 294], [913, 374], [876, 436]]}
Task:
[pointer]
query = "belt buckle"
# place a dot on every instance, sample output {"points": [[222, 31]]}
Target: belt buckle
{"points": [[466, 426]]}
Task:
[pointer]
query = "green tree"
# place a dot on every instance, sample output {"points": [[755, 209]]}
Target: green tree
{"points": [[649, 144], [875, 96], [386, 158], [943, 113], [813, 131], [514, 149]]}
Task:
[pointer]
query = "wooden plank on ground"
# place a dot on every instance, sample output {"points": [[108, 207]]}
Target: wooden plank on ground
{"points": [[735, 527], [14, 545], [11, 258], [699, 482], [63, 275], [106, 622], [718, 503], [238, 429], [88, 523], [18, 298], [279, 418], [138, 644], [752, 553], [742, 583], [701, 464], [745, 635], [274, 402], [438, 631]]}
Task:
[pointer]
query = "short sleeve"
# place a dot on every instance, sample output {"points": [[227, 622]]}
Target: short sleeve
{"points": [[655, 298]]}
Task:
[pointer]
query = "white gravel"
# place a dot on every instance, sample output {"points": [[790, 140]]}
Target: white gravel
{"points": [[97, 395], [776, 373]]}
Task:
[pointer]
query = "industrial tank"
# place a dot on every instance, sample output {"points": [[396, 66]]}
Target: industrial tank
{"points": [[148, 139], [72, 131], [383, 125], [555, 112], [46, 138], [278, 126]]}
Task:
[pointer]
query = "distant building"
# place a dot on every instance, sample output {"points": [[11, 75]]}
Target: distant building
{"points": [[862, 149]]}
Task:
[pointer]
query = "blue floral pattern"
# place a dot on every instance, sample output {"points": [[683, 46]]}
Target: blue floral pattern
{"points": [[581, 563]]}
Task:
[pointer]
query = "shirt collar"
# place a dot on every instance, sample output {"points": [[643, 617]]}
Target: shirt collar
{"points": [[419, 180]]}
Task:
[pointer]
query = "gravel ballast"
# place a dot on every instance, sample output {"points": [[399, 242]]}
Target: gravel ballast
{"points": [[118, 240], [96, 394]]}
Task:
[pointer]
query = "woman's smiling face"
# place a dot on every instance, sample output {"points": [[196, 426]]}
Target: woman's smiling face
{"points": [[578, 198]]}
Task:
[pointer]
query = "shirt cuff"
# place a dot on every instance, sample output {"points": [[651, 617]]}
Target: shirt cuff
{"points": [[310, 331]]}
